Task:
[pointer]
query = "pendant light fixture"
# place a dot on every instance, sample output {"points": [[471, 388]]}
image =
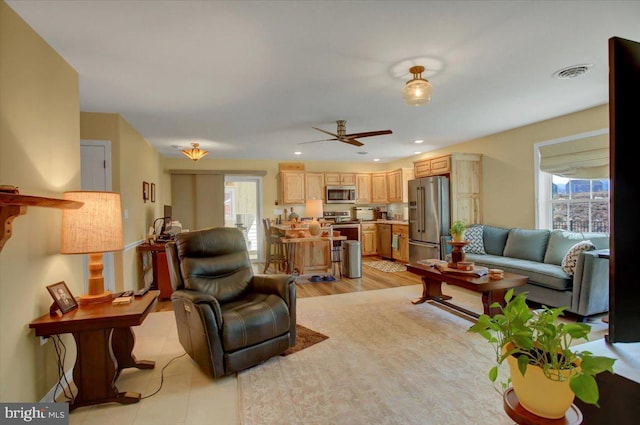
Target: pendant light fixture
{"points": [[195, 153], [417, 91]]}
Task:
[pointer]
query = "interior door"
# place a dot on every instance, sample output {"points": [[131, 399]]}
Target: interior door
{"points": [[95, 174]]}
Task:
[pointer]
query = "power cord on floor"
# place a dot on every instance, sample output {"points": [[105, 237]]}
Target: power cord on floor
{"points": [[162, 377]]}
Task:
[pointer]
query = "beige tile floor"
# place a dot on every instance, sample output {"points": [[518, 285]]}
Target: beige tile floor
{"points": [[187, 397]]}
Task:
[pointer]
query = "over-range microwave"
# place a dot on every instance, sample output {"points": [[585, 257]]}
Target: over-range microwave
{"points": [[341, 195]]}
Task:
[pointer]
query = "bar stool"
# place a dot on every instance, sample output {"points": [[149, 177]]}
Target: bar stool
{"points": [[274, 249], [336, 256]]}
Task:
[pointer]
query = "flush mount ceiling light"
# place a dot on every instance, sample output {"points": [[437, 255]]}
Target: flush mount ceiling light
{"points": [[417, 91], [195, 153]]}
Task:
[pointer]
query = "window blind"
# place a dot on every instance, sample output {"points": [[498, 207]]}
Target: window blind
{"points": [[585, 158]]}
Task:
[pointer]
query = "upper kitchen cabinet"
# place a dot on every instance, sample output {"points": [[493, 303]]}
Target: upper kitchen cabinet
{"points": [[292, 187], [465, 180], [379, 188], [340, 179], [314, 185], [363, 188], [397, 184]]}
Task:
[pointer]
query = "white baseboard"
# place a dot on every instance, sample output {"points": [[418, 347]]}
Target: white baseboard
{"points": [[51, 396]]}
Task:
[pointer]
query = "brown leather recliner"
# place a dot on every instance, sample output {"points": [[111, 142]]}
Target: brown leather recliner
{"points": [[228, 318]]}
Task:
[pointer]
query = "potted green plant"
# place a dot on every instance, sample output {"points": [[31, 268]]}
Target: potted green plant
{"points": [[457, 231], [537, 345]]}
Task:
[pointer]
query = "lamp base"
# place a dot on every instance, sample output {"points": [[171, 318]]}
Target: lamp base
{"points": [[105, 297]]}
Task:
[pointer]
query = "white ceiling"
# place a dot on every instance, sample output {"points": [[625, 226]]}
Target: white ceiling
{"points": [[248, 79]]}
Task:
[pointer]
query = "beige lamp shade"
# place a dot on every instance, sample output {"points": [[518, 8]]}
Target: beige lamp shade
{"points": [[92, 229], [313, 209]]}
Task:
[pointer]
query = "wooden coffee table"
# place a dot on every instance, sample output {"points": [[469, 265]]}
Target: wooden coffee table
{"points": [[492, 290]]}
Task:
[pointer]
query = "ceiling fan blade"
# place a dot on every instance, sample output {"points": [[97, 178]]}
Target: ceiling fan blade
{"points": [[353, 142], [327, 132], [316, 141], [369, 133]]}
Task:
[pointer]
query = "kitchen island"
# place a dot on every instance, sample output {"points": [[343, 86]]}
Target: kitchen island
{"points": [[307, 254]]}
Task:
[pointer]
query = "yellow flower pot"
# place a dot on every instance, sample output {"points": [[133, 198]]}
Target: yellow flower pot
{"points": [[548, 398]]}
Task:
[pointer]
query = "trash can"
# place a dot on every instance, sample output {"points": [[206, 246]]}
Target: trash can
{"points": [[352, 259]]}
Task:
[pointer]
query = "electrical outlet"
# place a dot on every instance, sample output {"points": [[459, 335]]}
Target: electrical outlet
{"points": [[44, 340]]}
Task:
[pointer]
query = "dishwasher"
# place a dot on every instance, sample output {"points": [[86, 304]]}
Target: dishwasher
{"points": [[384, 241]]}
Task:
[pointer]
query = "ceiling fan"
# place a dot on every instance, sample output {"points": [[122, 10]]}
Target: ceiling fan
{"points": [[342, 135]]}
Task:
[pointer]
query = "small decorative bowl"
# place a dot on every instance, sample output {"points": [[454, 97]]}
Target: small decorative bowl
{"points": [[465, 265]]}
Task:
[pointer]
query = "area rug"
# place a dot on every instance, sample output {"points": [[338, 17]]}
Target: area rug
{"points": [[387, 362], [305, 338], [386, 266]]}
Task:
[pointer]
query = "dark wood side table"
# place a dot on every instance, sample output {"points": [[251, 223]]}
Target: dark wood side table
{"points": [[523, 417], [161, 279], [104, 344]]}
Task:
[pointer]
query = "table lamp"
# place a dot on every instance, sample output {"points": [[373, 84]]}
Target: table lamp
{"points": [[93, 229], [313, 209]]}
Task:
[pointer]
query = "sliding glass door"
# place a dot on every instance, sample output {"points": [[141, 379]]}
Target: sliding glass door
{"points": [[242, 209]]}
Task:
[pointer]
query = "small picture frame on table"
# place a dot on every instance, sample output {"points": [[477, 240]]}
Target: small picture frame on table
{"points": [[145, 191], [62, 297], [153, 192]]}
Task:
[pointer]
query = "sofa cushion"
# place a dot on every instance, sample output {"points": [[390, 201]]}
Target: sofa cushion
{"points": [[541, 274], [494, 239], [561, 241], [473, 234], [527, 244], [571, 259]]}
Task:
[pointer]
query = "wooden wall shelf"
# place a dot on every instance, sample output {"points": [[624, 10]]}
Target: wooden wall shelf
{"points": [[12, 204]]}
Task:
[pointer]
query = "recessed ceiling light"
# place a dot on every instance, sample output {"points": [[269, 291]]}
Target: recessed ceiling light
{"points": [[418, 141], [376, 159], [297, 153], [362, 153], [417, 152]]}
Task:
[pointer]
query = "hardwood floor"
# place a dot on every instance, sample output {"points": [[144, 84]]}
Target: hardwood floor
{"points": [[371, 279]]}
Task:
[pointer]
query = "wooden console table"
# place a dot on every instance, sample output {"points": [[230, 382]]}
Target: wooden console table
{"points": [[159, 267], [104, 344]]}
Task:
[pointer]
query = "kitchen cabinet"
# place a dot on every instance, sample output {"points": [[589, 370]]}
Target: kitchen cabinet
{"points": [[340, 179], [363, 188], [369, 239], [292, 187], [397, 184], [384, 240], [465, 180], [400, 242], [379, 188], [314, 185]]}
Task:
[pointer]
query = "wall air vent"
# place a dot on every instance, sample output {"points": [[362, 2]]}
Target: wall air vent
{"points": [[574, 71]]}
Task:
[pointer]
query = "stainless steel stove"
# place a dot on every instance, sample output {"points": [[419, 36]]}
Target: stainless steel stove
{"points": [[342, 222]]}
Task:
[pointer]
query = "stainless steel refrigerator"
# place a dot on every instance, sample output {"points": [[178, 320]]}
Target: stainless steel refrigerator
{"points": [[428, 216]]}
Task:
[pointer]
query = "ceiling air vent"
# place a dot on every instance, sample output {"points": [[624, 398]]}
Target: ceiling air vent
{"points": [[572, 71]]}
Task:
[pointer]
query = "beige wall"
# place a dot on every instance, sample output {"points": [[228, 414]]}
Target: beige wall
{"points": [[39, 153], [134, 160], [508, 176]]}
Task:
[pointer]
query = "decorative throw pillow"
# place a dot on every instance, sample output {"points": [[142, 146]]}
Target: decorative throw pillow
{"points": [[476, 242], [571, 258]]}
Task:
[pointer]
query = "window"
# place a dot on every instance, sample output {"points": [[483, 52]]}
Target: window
{"points": [[572, 181], [577, 205]]}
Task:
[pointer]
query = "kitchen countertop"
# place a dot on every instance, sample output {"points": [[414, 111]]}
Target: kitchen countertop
{"points": [[379, 221]]}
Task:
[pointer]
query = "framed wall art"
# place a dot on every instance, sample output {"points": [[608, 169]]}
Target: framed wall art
{"points": [[153, 192], [145, 191], [62, 297]]}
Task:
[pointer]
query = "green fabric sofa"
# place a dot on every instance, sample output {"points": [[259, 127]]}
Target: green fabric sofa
{"points": [[538, 254]]}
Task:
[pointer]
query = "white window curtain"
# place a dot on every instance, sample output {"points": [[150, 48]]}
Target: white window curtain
{"points": [[583, 158]]}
